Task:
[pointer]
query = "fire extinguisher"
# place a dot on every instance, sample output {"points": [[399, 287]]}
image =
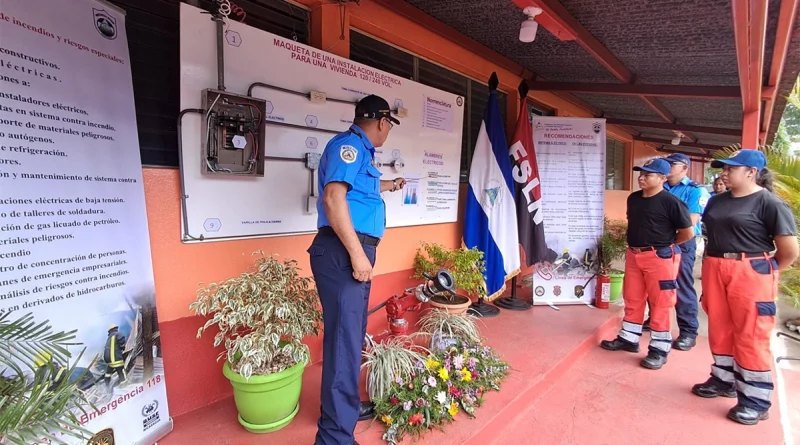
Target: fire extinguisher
{"points": [[602, 293]]}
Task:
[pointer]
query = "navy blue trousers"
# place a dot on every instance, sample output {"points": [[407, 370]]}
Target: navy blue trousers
{"points": [[686, 305], [345, 303]]}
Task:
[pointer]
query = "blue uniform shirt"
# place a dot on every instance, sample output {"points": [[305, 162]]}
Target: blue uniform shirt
{"points": [[694, 195], [348, 158]]}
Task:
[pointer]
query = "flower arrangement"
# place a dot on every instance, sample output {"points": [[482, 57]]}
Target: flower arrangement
{"points": [[447, 382]]}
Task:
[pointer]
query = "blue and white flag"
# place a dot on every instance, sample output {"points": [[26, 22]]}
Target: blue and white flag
{"points": [[490, 221]]}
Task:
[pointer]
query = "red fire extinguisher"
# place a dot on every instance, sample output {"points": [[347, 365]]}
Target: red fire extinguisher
{"points": [[602, 293]]}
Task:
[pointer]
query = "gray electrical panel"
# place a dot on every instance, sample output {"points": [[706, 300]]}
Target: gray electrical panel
{"points": [[232, 134]]}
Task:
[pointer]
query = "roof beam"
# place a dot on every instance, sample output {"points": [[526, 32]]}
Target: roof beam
{"points": [[676, 127], [786, 17], [416, 15], [683, 144], [749, 27], [616, 89], [554, 10], [690, 153]]}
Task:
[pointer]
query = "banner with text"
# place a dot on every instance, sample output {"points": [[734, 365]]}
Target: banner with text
{"points": [[74, 241], [571, 153]]}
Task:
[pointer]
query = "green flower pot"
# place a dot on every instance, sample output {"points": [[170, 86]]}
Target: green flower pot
{"points": [[267, 403], [616, 285]]}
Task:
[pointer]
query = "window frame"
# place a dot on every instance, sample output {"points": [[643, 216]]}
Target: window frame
{"points": [[613, 143]]}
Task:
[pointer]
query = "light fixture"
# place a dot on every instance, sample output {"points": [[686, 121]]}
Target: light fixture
{"points": [[527, 31]]}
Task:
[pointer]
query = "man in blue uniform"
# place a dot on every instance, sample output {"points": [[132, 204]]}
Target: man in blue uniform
{"points": [[695, 196], [351, 222]]}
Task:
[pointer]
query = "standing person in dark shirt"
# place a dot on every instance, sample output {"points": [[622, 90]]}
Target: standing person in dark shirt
{"points": [[740, 283], [657, 222]]}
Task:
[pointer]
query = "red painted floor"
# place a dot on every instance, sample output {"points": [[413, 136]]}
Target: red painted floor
{"points": [[607, 398], [563, 389]]}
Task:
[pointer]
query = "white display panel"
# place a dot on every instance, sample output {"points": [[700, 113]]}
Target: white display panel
{"points": [[428, 140]]}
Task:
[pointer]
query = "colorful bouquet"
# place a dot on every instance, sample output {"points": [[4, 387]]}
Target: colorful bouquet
{"points": [[449, 381]]}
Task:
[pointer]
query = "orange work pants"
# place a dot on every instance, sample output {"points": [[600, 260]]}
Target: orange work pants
{"points": [[650, 277], [739, 297]]}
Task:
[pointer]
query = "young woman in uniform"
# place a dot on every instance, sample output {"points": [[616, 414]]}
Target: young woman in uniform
{"points": [[740, 283]]}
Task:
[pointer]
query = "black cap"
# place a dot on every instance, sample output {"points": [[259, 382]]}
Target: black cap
{"points": [[375, 107]]}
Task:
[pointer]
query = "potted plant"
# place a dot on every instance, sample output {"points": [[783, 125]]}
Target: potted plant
{"points": [[394, 359], [445, 329], [466, 266], [612, 246], [262, 316]]}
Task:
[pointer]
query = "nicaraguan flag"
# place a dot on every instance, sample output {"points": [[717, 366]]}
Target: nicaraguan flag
{"points": [[490, 220]]}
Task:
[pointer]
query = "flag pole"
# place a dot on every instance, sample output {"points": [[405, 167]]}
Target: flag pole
{"points": [[512, 303], [481, 308]]}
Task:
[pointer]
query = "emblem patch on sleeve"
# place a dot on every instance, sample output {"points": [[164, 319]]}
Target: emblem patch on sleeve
{"points": [[703, 201], [348, 154]]}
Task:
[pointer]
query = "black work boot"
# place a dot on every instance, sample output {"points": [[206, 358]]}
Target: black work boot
{"points": [[646, 326], [713, 388], [619, 344], [654, 360], [747, 416], [366, 411], [684, 343]]}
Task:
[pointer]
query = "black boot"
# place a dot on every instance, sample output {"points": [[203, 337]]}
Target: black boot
{"points": [[366, 411], [654, 360], [684, 343], [747, 416], [618, 344], [646, 325], [713, 388]]}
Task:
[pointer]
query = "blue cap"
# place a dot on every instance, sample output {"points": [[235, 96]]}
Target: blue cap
{"points": [[678, 157], [657, 165], [743, 158]]}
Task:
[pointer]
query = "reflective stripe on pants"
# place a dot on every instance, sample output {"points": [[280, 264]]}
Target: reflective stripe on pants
{"points": [[739, 298], [650, 277], [345, 303]]}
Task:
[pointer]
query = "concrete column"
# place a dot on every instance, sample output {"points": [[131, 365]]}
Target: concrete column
{"points": [[751, 126]]}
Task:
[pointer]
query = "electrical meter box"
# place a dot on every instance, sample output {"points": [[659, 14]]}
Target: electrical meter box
{"points": [[232, 134]]}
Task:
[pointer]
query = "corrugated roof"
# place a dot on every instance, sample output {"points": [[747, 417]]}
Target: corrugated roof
{"points": [[670, 42]]}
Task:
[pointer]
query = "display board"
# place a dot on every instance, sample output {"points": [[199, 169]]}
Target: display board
{"points": [[571, 153], [425, 147], [74, 243]]}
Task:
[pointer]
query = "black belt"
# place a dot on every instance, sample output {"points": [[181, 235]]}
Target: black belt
{"points": [[644, 249], [739, 255], [364, 239]]}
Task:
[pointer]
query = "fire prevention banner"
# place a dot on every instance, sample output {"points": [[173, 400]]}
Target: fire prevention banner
{"points": [[74, 242], [571, 155]]}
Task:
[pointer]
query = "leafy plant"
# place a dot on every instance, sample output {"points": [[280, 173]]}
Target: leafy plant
{"points": [[612, 244], [438, 323], [262, 316], [786, 171], [441, 385], [39, 395], [395, 357], [466, 266]]}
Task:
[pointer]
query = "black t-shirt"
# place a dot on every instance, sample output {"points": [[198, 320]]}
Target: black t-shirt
{"points": [[747, 224], [654, 221]]}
